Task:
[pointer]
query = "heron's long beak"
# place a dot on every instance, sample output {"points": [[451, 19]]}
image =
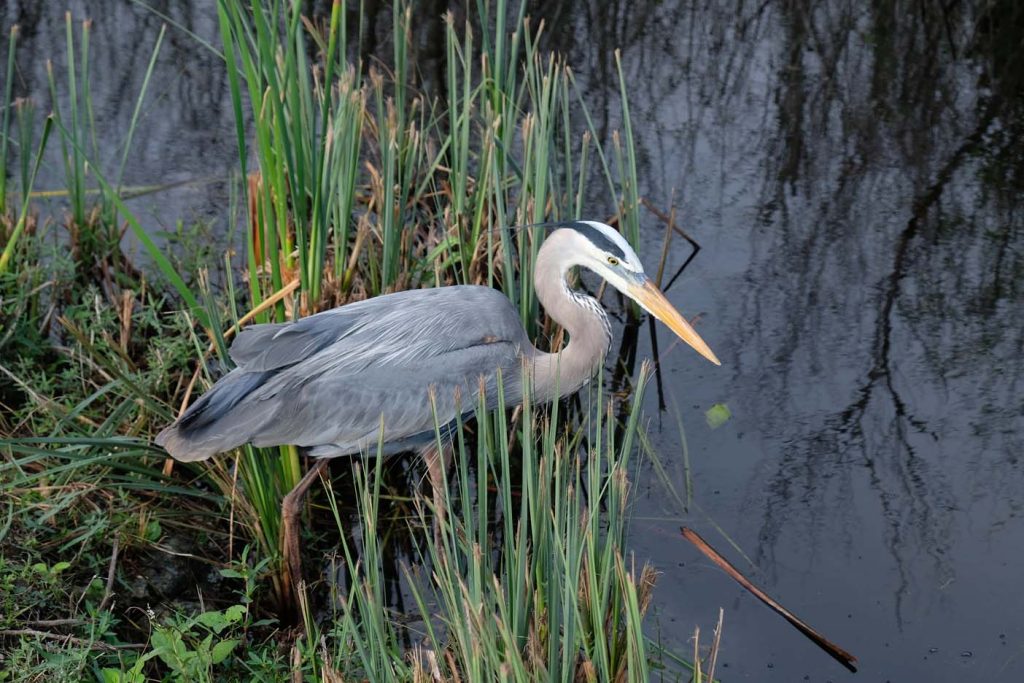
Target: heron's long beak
{"points": [[654, 302]]}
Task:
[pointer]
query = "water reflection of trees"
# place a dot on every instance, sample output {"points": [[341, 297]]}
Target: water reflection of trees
{"points": [[881, 322], [933, 264], [186, 129]]}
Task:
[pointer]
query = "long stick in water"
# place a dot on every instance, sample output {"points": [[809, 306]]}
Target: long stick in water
{"points": [[837, 653]]}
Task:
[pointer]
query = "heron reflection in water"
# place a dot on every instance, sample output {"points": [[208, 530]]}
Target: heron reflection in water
{"points": [[382, 370]]}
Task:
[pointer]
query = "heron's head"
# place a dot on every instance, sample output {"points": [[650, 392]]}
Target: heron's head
{"points": [[602, 249]]}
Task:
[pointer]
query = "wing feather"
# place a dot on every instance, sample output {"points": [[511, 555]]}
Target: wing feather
{"points": [[326, 381]]}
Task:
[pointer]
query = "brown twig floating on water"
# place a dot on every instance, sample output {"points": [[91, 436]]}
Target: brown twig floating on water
{"points": [[838, 653]]}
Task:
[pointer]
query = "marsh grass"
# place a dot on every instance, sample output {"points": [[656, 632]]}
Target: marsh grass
{"points": [[14, 226], [5, 120], [357, 183], [530, 580], [365, 186]]}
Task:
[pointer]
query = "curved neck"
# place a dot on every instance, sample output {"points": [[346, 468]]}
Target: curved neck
{"points": [[561, 373]]}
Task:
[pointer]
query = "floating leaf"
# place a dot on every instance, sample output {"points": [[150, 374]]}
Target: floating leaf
{"points": [[717, 415]]}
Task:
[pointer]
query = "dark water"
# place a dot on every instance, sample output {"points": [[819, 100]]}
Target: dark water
{"points": [[854, 173], [185, 137]]}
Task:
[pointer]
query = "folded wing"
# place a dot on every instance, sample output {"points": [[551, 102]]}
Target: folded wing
{"points": [[337, 381]]}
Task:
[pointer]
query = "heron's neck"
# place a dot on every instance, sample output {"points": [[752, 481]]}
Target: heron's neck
{"points": [[590, 333]]}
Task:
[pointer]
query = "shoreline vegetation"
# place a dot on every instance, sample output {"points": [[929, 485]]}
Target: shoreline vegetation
{"points": [[117, 564]]}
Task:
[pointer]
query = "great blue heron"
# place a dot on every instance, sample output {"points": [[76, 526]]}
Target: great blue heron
{"points": [[338, 382]]}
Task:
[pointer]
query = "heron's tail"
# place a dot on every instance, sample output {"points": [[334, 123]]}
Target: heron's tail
{"points": [[212, 424], [180, 446]]}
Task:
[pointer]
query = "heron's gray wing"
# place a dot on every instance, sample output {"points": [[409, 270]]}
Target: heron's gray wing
{"points": [[329, 379], [277, 345], [337, 412], [414, 323], [385, 355]]}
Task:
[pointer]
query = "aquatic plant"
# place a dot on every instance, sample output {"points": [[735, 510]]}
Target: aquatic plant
{"points": [[440, 186]]}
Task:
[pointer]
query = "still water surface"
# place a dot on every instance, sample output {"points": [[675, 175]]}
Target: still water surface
{"points": [[853, 174]]}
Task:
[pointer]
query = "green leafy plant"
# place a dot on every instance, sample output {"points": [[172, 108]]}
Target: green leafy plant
{"points": [[192, 646]]}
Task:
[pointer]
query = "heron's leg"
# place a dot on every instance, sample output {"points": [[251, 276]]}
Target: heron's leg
{"points": [[291, 508], [437, 461]]}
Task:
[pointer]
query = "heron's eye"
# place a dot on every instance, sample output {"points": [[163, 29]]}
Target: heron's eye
{"points": [[612, 261]]}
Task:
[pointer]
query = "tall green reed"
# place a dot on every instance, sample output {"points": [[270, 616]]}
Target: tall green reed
{"points": [[361, 185], [527, 584], [306, 148], [5, 123], [28, 182], [306, 136], [12, 232], [440, 184], [80, 140]]}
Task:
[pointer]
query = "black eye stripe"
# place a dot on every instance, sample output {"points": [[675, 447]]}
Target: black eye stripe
{"points": [[596, 237]]}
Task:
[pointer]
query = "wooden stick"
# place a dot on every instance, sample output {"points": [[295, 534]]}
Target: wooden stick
{"points": [[108, 592], [50, 623], [81, 642], [836, 652]]}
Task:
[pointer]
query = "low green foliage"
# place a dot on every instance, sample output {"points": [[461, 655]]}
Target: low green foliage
{"points": [[192, 646], [25, 589]]}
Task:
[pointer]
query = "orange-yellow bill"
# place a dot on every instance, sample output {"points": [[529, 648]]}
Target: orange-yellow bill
{"points": [[655, 303]]}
